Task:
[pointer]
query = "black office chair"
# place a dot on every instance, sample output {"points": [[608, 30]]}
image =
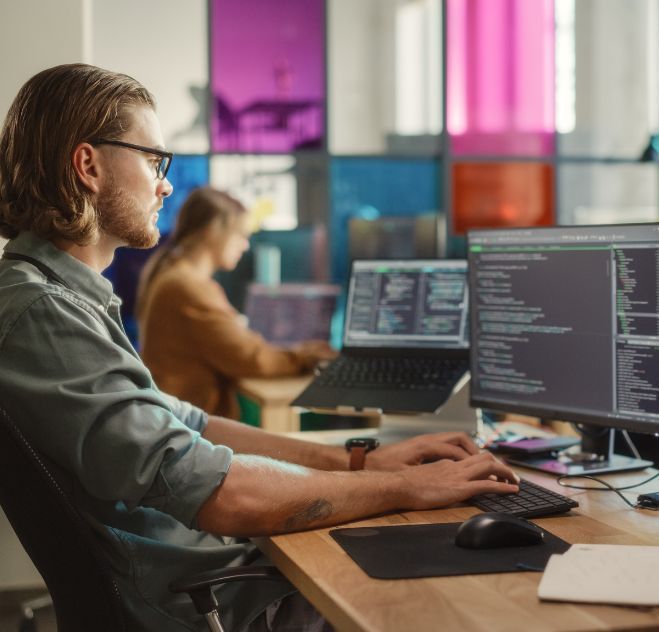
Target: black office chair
{"points": [[61, 545]]}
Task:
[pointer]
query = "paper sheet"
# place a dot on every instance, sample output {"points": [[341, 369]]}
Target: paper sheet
{"points": [[603, 573]]}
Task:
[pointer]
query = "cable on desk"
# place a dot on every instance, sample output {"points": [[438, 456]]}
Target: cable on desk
{"points": [[607, 487]]}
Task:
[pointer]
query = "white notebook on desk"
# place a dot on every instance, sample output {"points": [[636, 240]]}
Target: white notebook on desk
{"points": [[603, 573]]}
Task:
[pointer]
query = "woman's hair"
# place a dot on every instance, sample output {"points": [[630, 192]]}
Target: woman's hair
{"points": [[53, 112], [203, 207]]}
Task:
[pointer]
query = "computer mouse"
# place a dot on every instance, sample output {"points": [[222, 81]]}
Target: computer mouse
{"points": [[493, 529]]}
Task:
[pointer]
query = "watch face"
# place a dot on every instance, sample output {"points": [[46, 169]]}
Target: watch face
{"points": [[370, 443]]}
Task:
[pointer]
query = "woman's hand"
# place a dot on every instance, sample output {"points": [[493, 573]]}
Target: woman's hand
{"points": [[311, 352]]}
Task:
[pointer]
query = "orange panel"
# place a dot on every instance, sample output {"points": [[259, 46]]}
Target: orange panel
{"points": [[487, 195]]}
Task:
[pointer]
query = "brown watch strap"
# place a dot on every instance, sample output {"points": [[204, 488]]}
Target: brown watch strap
{"points": [[357, 458]]}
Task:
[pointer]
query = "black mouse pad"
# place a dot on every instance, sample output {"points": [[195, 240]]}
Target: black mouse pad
{"points": [[428, 550]]}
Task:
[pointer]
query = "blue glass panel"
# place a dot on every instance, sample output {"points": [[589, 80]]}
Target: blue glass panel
{"points": [[185, 174], [372, 188]]}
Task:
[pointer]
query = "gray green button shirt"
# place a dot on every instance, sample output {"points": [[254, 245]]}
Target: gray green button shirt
{"points": [[138, 465]]}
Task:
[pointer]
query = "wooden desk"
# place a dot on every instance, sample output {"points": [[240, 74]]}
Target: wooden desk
{"points": [[274, 396], [505, 602]]}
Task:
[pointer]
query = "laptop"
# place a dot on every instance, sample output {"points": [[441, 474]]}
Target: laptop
{"points": [[292, 312], [405, 339]]}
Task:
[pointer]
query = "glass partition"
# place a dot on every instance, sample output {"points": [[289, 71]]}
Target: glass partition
{"points": [[372, 188], [266, 185], [596, 193], [500, 75], [384, 76], [267, 75], [186, 173], [502, 194], [607, 77]]}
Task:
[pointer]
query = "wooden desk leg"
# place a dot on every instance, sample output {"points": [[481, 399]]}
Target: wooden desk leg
{"points": [[279, 418]]}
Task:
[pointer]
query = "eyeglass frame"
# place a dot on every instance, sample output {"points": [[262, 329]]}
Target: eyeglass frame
{"points": [[147, 150]]}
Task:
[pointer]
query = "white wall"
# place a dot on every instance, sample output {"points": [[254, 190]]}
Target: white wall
{"points": [[34, 34], [164, 45]]}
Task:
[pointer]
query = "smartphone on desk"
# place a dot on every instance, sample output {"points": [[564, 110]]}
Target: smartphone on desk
{"points": [[527, 447]]}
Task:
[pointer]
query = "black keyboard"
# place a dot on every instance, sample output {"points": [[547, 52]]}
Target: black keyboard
{"points": [[531, 501], [392, 373]]}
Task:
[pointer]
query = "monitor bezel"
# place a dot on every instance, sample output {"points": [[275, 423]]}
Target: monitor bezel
{"points": [[546, 412]]}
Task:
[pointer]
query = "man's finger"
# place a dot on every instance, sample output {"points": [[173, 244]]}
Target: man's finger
{"points": [[486, 486], [482, 469], [458, 438], [444, 451]]}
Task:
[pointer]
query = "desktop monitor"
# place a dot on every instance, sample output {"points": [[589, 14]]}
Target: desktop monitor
{"points": [[415, 237], [565, 326]]}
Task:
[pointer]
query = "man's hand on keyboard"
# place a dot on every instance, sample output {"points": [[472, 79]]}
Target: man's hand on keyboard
{"points": [[422, 449], [446, 482]]}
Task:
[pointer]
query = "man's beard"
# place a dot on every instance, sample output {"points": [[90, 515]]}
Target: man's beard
{"points": [[121, 217]]}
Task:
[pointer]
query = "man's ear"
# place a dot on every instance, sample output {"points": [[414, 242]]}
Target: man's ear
{"points": [[85, 161]]}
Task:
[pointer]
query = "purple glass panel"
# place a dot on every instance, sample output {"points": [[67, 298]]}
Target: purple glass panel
{"points": [[501, 77], [267, 75]]}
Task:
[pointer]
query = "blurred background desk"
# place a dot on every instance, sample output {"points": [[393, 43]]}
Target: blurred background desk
{"points": [[273, 397], [508, 602]]}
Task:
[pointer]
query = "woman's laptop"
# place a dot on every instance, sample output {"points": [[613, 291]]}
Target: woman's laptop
{"points": [[405, 340]]}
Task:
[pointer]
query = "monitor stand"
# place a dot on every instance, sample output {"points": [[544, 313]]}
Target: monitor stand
{"points": [[596, 457], [454, 415]]}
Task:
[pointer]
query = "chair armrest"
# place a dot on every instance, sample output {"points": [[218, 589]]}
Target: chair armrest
{"points": [[199, 586], [216, 577]]}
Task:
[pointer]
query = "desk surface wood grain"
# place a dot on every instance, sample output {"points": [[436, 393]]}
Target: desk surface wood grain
{"points": [[505, 602]]}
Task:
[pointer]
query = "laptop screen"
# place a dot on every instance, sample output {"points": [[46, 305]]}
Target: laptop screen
{"points": [[292, 312], [407, 303]]}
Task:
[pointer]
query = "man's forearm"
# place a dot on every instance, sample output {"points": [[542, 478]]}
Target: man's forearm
{"points": [[244, 439], [261, 496]]}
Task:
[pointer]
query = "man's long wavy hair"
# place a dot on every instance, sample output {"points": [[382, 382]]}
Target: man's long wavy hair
{"points": [[53, 112]]}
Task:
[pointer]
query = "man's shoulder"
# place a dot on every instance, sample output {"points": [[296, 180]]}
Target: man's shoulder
{"points": [[23, 289], [21, 285]]}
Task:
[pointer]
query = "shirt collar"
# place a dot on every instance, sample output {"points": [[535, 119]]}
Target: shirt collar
{"points": [[78, 276]]}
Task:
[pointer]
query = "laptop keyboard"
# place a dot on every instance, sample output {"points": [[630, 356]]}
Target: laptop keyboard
{"points": [[392, 373], [531, 501]]}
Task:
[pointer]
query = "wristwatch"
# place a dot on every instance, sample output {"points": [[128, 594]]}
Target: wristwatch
{"points": [[358, 448]]}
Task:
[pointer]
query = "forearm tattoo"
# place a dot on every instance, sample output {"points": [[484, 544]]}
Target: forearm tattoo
{"points": [[308, 514]]}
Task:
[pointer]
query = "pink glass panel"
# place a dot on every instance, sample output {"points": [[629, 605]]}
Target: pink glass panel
{"points": [[501, 77], [267, 75]]}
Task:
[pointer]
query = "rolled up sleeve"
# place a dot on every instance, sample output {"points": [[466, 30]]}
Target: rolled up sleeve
{"points": [[193, 417]]}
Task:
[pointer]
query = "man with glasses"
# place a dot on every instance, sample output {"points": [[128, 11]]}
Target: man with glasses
{"points": [[161, 166], [168, 489]]}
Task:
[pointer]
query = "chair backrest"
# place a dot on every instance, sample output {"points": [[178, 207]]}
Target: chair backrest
{"points": [[56, 537]]}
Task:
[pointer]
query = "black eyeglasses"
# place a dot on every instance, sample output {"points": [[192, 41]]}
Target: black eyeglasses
{"points": [[165, 156]]}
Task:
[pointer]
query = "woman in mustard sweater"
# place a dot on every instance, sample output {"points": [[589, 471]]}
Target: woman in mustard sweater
{"points": [[191, 338]]}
